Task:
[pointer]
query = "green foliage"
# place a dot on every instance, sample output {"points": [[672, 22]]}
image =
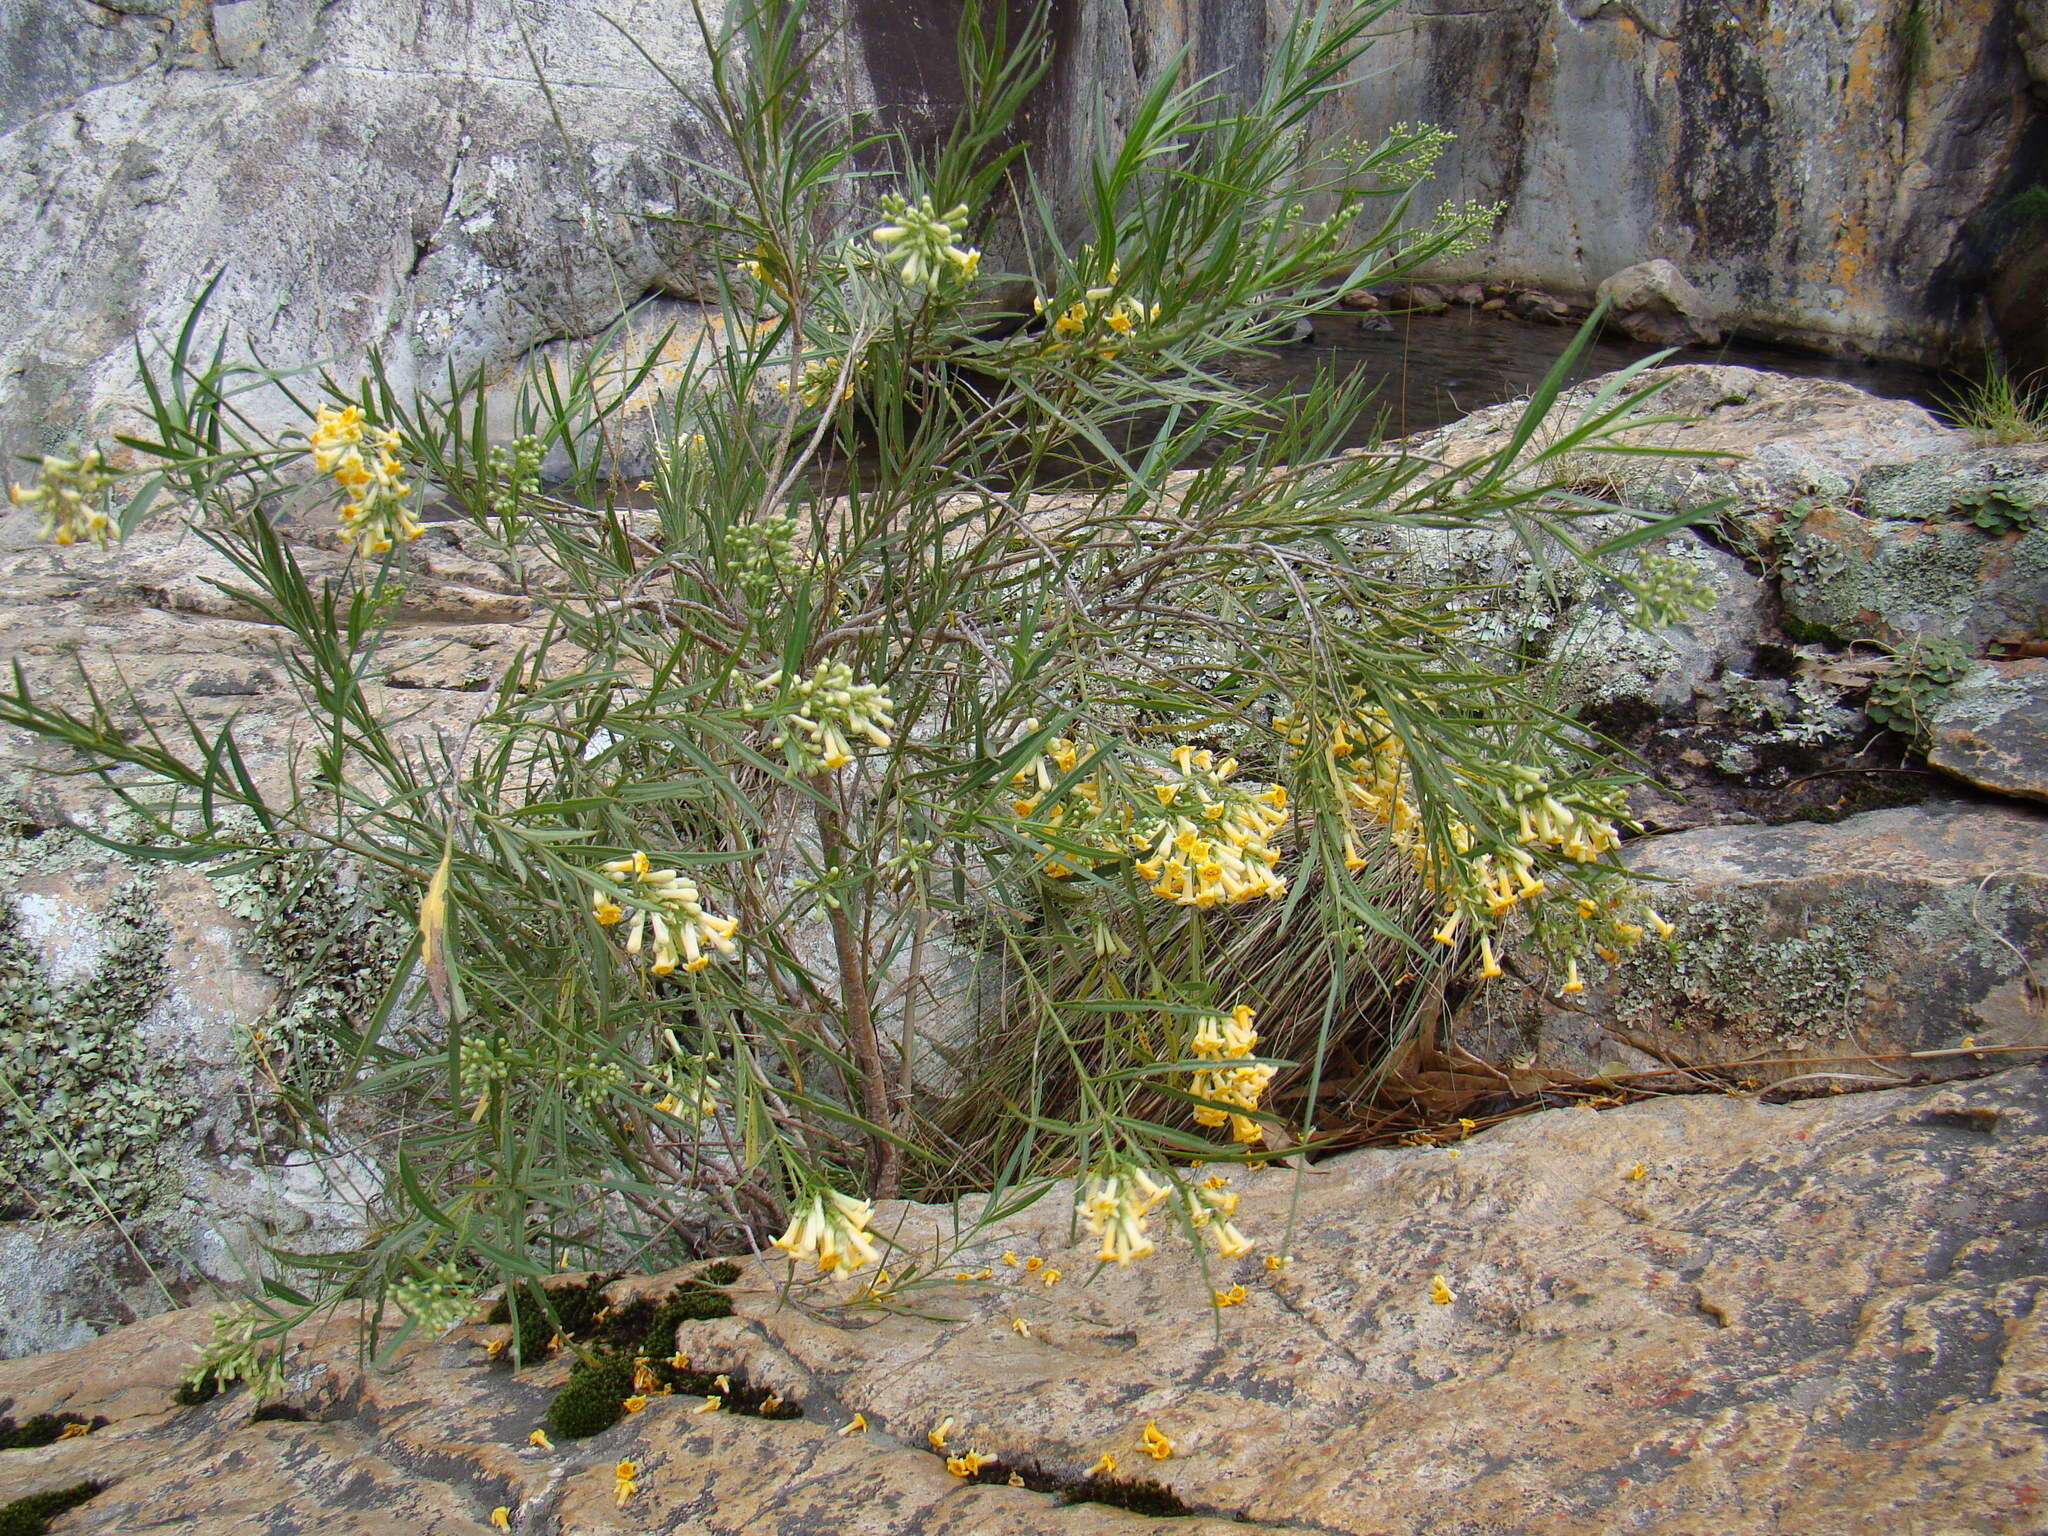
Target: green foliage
{"points": [[1904, 698], [719, 1272], [236, 1352], [983, 625], [2025, 208], [86, 1105], [1995, 512], [31, 1516], [2001, 408]]}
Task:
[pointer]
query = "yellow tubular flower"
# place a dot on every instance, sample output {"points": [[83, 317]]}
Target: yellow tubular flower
{"points": [[1157, 1446], [501, 1517], [968, 1464], [1439, 1293], [937, 1434], [684, 933], [539, 1441], [1105, 1466], [857, 1425], [624, 1485]]}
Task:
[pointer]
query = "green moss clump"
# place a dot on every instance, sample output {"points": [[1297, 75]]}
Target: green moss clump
{"points": [[31, 1516], [289, 1413], [724, 1272], [43, 1429], [593, 1399]]}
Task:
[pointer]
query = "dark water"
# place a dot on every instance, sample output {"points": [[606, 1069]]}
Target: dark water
{"points": [[1431, 369]]}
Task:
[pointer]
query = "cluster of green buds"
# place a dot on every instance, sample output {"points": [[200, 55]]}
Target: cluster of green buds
{"points": [[68, 494], [435, 1299], [1667, 590], [764, 557], [820, 714], [921, 241], [515, 474], [482, 1067], [590, 1083]]}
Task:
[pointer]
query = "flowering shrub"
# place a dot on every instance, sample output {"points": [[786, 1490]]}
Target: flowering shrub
{"points": [[981, 729]]}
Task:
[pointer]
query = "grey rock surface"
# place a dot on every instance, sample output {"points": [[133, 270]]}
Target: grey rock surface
{"points": [[1813, 168], [1810, 950], [1696, 1316], [2011, 482], [1991, 729], [1847, 577]]}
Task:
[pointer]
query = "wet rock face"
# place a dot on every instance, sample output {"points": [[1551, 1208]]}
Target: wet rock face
{"points": [[1694, 1315], [1811, 167], [1788, 157]]}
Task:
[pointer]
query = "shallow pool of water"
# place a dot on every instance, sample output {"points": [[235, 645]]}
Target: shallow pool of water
{"points": [[1431, 369]]}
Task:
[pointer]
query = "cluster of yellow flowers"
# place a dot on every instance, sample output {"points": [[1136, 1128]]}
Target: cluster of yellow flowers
{"points": [[363, 460], [1113, 1206], [67, 491], [1099, 319], [920, 240], [828, 708], [1211, 1205], [1482, 887], [1229, 1040], [831, 1230], [820, 379], [675, 914], [1205, 842]]}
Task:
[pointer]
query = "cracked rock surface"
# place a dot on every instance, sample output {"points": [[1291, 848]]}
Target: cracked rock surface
{"points": [[1818, 1317]]}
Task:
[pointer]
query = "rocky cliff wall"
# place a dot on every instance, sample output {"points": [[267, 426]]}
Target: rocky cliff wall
{"points": [[387, 172], [1831, 174]]}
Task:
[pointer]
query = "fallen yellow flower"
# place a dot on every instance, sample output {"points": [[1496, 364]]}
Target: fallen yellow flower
{"points": [[967, 1465], [1157, 1446], [501, 1517], [857, 1425], [1440, 1293], [936, 1435], [635, 1403], [624, 1485], [1105, 1466], [540, 1441]]}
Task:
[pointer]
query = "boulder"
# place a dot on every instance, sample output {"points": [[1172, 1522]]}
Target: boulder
{"points": [[1831, 954], [1753, 440], [1653, 302], [1991, 729], [1844, 577], [1697, 1316]]}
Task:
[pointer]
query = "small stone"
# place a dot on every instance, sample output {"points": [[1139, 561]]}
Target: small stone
{"points": [[1653, 302]]}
